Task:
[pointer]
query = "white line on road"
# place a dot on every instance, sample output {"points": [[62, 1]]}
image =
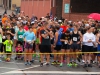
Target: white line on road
{"points": [[22, 70], [7, 68], [51, 72]]}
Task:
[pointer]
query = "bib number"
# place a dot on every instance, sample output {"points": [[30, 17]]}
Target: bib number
{"points": [[74, 39], [4, 37], [20, 36], [65, 42]]}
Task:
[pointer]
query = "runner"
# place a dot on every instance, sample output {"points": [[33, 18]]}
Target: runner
{"points": [[88, 39], [45, 46], [57, 45], [8, 47], [76, 37], [29, 38], [65, 39]]}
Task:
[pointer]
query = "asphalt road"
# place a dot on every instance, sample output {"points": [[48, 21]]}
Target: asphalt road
{"points": [[18, 68]]}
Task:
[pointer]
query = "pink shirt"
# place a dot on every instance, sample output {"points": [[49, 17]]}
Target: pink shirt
{"points": [[19, 49]]}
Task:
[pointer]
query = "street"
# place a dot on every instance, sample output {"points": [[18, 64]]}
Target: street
{"points": [[18, 68]]}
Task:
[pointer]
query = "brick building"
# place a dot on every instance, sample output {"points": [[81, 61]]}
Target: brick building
{"points": [[70, 9]]}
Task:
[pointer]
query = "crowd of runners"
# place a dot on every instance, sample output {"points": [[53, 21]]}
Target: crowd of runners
{"points": [[21, 34]]}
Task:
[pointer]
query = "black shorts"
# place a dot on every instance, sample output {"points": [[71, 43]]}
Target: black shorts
{"points": [[1, 50], [88, 49], [34, 46], [75, 46], [95, 50], [66, 47], [83, 48], [8, 51], [45, 48], [58, 47]]}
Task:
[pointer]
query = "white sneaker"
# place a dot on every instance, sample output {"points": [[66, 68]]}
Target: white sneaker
{"points": [[83, 61]]}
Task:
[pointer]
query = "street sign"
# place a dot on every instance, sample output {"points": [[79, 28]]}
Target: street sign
{"points": [[67, 8]]}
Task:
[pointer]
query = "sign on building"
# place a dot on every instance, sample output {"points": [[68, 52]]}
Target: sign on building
{"points": [[67, 8]]}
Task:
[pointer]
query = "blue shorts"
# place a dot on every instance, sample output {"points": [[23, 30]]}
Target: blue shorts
{"points": [[98, 50], [28, 46]]}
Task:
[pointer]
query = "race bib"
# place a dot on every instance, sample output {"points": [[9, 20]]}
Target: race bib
{"points": [[4, 37], [47, 37], [65, 42], [8, 47], [74, 39], [20, 36]]}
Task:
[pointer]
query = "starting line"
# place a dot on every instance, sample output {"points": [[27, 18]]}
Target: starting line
{"points": [[50, 72]]}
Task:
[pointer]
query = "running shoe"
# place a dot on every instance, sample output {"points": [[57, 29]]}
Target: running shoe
{"points": [[58, 63], [47, 64], [69, 65], [99, 66], [79, 60], [29, 63], [61, 64], [38, 56], [41, 65], [89, 65], [34, 55], [26, 63], [54, 63], [75, 64], [85, 65]]}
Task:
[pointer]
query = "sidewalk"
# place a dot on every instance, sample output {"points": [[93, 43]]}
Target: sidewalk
{"points": [[2, 11]]}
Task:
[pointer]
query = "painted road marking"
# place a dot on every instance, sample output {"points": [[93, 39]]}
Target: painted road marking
{"points": [[7, 68], [50, 72], [22, 70]]}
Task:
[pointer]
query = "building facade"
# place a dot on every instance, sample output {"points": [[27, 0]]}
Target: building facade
{"points": [[72, 15], [10, 4], [69, 9]]}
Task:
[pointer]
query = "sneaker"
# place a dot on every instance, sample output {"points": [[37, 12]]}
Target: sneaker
{"points": [[61, 64], [69, 65], [41, 65], [74, 64], [34, 55], [99, 66], [26, 63], [47, 64], [0, 60], [85, 65], [32, 61], [38, 56], [83, 61], [15, 58], [54, 63], [89, 65], [78, 59], [58, 63], [29, 63]]}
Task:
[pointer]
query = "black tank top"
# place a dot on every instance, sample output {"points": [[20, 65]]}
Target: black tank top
{"points": [[75, 37]]}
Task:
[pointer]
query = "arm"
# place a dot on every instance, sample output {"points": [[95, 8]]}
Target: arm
{"points": [[56, 38], [97, 39], [34, 38], [81, 37], [84, 38], [93, 38], [62, 38], [43, 35]]}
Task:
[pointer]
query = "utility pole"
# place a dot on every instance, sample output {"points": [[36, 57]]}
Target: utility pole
{"points": [[5, 6]]}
